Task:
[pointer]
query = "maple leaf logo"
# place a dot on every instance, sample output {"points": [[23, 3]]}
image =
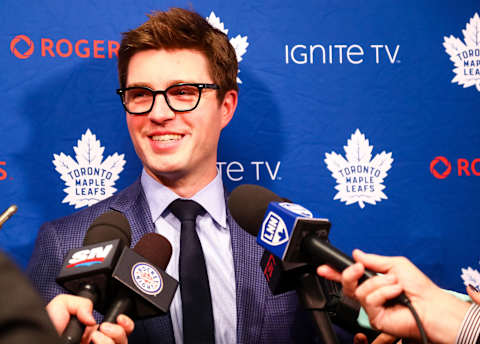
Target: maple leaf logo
{"points": [[466, 56], [359, 179], [89, 179], [239, 43], [471, 276]]}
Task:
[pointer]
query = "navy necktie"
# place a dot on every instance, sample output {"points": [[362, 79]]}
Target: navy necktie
{"points": [[194, 288]]}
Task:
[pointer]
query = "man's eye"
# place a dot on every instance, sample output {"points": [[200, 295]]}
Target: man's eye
{"points": [[138, 95], [183, 91]]}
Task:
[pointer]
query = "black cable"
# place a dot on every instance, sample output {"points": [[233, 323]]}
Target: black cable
{"points": [[423, 335], [406, 301]]}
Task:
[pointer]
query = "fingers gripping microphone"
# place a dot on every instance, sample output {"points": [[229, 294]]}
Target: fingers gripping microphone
{"points": [[289, 231], [144, 289], [87, 270]]}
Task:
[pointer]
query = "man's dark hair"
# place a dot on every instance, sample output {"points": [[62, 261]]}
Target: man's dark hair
{"points": [[182, 29]]}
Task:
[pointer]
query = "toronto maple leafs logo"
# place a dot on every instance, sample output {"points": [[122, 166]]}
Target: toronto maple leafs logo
{"points": [[359, 179], [466, 56], [89, 179], [238, 42], [471, 277]]}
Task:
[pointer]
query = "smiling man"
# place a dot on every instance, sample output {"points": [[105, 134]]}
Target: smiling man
{"points": [[178, 87], [176, 136]]}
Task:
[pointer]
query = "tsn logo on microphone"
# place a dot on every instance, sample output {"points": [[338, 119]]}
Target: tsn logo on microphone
{"points": [[88, 257]]}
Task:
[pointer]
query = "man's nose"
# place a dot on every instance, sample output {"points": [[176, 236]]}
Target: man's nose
{"points": [[161, 111]]}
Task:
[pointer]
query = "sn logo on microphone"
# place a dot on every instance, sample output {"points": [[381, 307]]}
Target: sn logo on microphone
{"points": [[89, 257]]}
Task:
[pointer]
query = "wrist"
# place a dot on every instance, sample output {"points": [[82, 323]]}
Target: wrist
{"points": [[444, 319]]}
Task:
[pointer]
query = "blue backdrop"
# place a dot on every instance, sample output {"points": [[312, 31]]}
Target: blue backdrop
{"points": [[365, 112]]}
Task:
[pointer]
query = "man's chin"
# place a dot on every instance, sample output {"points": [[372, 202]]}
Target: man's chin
{"points": [[166, 172]]}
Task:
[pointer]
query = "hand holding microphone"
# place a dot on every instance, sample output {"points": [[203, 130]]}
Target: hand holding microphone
{"points": [[61, 308], [440, 312], [87, 270], [290, 232]]}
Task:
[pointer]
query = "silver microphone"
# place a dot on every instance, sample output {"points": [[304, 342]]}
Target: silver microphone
{"points": [[8, 214]]}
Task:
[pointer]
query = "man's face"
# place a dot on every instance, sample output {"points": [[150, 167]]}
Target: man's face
{"points": [[177, 146]]}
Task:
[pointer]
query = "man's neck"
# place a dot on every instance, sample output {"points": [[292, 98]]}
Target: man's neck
{"points": [[185, 186]]}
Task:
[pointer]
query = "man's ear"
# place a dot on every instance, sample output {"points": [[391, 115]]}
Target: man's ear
{"points": [[228, 106]]}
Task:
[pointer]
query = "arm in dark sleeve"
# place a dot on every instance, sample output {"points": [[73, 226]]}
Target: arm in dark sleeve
{"points": [[23, 318]]}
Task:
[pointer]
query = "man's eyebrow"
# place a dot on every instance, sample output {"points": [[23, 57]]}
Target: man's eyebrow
{"points": [[178, 81], [170, 83], [139, 84]]}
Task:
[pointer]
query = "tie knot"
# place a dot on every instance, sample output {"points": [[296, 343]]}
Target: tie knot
{"points": [[186, 209]]}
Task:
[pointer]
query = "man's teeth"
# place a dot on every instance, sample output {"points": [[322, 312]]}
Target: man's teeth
{"points": [[170, 137]]}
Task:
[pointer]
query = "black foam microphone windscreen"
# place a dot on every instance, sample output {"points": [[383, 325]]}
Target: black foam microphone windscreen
{"points": [[248, 203], [109, 226], [156, 248]]}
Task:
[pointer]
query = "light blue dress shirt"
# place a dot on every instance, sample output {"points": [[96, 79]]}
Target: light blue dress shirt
{"points": [[214, 236]]}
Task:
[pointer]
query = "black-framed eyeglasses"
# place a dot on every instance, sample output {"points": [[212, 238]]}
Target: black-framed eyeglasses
{"points": [[139, 100]]}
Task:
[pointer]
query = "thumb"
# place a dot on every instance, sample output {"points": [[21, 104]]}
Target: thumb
{"points": [[473, 293]]}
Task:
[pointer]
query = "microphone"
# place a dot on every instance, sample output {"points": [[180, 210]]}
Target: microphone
{"points": [[87, 270], [249, 205], [7, 214], [287, 230], [283, 276], [144, 289], [291, 233]]}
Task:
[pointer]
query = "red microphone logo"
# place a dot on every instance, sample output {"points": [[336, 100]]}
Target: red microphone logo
{"points": [[15, 51], [445, 162], [270, 267]]}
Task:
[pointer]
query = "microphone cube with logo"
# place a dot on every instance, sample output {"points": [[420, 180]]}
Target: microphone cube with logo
{"points": [[284, 227], [91, 265], [148, 286]]}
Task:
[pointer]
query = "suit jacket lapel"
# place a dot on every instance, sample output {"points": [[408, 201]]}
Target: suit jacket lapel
{"points": [[133, 203]]}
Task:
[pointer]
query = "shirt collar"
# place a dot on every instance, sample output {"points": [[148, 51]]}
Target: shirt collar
{"points": [[211, 198]]}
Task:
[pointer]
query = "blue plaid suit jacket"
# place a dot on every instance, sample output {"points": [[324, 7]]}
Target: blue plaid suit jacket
{"points": [[261, 317]]}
